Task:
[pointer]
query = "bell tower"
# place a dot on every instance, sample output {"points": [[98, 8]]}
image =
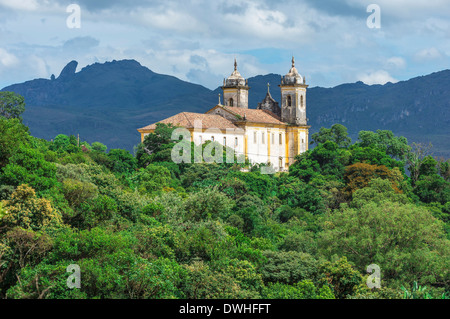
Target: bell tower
{"points": [[293, 97], [235, 90]]}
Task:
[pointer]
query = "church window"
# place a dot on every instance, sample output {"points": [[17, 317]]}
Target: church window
{"points": [[289, 100], [212, 138], [280, 163], [301, 101], [263, 141], [281, 139], [236, 142], [230, 102], [225, 141]]}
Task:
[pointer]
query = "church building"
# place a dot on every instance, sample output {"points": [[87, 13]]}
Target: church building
{"points": [[268, 134]]}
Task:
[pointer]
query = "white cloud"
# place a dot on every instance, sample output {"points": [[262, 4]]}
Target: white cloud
{"points": [[329, 39], [22, 5], [396, 63], [7, 59], [428, 54], [376, 77]]}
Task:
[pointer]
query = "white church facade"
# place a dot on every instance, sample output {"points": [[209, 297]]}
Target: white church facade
{"points": [[268, 134]]}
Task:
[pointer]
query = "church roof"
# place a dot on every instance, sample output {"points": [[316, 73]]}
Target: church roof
{"points": [[252, 115], [187, 120]]}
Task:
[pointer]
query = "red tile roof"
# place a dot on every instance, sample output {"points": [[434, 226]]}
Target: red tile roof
{"points": [[252, 115], [187, 120]]}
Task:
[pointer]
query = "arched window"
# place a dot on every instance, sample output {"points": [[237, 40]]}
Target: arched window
{"points": [[301, 101], [289, 100], [230, 102]]}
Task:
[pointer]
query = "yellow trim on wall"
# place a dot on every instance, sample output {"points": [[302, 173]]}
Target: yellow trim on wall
{"points": [[286, 164], [246, 146], [307, 140], [230, 90]]}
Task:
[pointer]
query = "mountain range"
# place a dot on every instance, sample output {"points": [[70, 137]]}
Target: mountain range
{"points": [[108, 102]]}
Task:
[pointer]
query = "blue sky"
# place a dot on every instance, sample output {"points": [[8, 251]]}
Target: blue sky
{"points": [[198, 40]]}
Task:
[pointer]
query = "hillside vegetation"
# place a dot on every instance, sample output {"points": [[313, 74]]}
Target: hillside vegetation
{"points": [[144, 227]]}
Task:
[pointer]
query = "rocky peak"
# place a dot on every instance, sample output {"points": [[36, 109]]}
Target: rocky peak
{"points": [[68, 71]]}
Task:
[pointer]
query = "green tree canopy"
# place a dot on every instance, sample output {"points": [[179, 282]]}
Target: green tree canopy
{"points": [[13, 135], [395, 146], [405, 240], [337, 134], [12, 105]]}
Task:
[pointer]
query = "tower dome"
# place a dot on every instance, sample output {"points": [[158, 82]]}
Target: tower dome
{"points": [[235, 89], [235, 79], [293, 77]]}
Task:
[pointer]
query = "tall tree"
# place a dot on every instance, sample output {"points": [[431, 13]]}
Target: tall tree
{"points": [[337, 134], [415, 158], [395, 146], [12, 105]]}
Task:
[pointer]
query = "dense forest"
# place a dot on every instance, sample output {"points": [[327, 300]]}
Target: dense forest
{"points": [[141, 226]]}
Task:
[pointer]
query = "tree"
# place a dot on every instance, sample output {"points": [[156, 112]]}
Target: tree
{"points": [[13, 135], [200, 282], [444, 168], [28, 166], [405, 240], [156, 145], [428, 166], [122, 161], [432, 188], [414, 159], [77, 192], [153, 179], [207, 204], [341, 277], [377, 191], [99, 147], [359, 175], [304, 289], [325, 159], [395, 146], [288, 267], [12, 105], [27, 211], [337, 134]]}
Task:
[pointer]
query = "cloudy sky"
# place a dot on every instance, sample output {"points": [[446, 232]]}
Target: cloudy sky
{"points": [[197, 40]]}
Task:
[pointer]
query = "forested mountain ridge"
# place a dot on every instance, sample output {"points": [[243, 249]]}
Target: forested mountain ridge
{"points": [[108, 102]]}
